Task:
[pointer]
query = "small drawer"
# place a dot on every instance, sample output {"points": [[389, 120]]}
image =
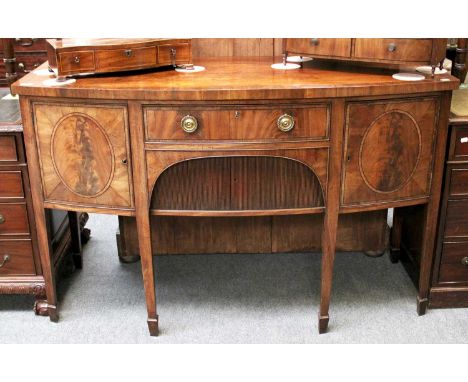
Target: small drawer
{"points": [[336, 47], [11, 184], [30, 44], [459, 143], [16, 258], [125, 58], [287, 123], [456, 220], [13, 219], [76, 62], [396, 49], [454, 262], [8, 149], [169, 124], [166, 53], [458, 181]]}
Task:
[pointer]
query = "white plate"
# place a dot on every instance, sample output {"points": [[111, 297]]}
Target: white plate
{"points": [[299, 59], [194, 70], [287, 66], [54, 82], [408, 77], [428, 70]]}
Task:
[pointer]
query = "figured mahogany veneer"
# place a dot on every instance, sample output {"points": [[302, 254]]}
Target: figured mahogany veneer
{"points": [[231, 160]]}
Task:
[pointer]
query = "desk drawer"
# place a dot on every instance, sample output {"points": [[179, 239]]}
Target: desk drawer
{"points": [[286, 123], [8, 149], [13, 219], [167, 124], [337, 47], [454, 262], [182, 54], [459, 143], [125, 58], [458, 181], [11, 184], [16, 258], [396, 49], [281, 123], [456, 223], [76, 62]]}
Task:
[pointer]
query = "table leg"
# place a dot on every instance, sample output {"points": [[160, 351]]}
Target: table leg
{"points": [[146, 254], [75, 235]]}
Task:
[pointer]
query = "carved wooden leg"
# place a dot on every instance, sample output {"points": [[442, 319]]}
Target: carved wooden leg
{"points": [[75, 235], [330, 223], [45, 251]]}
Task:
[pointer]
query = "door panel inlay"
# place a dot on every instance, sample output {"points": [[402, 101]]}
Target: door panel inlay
{"points": [[386, 161], [88, 167]]}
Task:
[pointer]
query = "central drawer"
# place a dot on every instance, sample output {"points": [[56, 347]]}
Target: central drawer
{"points": [[126, 58], [284, 122]]}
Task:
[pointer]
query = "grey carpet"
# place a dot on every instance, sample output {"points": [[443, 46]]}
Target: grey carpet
{"points": [[230, 299]]}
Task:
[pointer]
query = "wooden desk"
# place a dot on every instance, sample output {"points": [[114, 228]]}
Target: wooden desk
{"points": [[239, 139]]}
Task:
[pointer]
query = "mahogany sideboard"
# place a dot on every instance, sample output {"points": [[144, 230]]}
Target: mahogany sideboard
{"points": [[21, 269], [238, 139]]}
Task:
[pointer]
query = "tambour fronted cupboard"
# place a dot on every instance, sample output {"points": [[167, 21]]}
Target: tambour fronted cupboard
{"points": [[239, 140]]}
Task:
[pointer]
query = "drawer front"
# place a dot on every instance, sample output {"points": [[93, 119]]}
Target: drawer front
{"points": [[459, 143], [419, 50], [389, 150], [456, 220], [8, 149], [13, 219], [16, 258], [76, 62], [182, 54], [454, 262], [338, 47], [458, 182], [166, 124], [264, 124], [30, 44], [125, 58], [27, 62], [286, 123], [84, 154], [11, 184]]}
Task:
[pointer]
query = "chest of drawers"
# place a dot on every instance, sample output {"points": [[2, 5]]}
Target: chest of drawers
{"points": [[22, 271]]}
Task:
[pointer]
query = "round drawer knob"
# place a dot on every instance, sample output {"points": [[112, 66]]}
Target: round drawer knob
{"points": [[189, 124], [76, 60], [6, 259], [314, 41], [285, 122], [464, 261], [2, 219], [391, 47]]}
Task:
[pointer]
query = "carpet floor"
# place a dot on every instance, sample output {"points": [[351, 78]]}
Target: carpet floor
{"points": [[230, 299]]}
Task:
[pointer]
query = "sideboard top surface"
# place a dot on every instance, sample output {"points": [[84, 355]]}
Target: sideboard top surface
{"points": [[235, 79]]}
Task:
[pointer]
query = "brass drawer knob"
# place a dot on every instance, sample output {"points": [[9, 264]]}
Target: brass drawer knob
{"points": [[285, 123], [391, 47], [314, 41], [2, 219], [6, 259], [189, 124], [76, 60], [464, 261], [128, 53]]}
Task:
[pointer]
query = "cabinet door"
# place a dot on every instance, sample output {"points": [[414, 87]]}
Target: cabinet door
{"points": [[84, 154], [389, 150]]}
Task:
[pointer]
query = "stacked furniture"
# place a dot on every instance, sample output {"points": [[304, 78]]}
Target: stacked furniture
{"points": [[239, 140]]}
